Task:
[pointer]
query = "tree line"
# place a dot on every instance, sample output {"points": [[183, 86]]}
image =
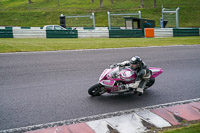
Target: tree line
{"points": [[112, 1]]}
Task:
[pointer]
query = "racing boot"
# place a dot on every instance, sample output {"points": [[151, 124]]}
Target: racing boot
{"points": [[140, 91], [133, 86]]}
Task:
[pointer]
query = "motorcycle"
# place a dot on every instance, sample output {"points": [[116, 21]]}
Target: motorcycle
{"points": [[112, 80]]}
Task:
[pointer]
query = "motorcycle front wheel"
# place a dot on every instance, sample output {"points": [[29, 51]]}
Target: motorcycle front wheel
{"points": [[96, 90]]}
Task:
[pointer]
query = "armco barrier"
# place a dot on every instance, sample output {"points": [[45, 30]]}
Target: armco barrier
{"points": [[6, 32], [93, 33], [98, 32], [125, 33], [29, 33], [163, 32], [186, 32], [61, 33]]}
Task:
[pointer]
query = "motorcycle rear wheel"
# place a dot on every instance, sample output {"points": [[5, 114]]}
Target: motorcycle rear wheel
{"points": [[96, 90]]}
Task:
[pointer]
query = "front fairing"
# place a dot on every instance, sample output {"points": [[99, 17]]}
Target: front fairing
{"points": [[109, 77], [110, 74], [107, 83], [104, 73]]}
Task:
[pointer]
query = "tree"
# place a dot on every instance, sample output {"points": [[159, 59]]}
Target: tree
{"points": [[154, 4], [92, 1], [58, 3], [29, 1], [101, 3], [141, 4], [112, 1]]}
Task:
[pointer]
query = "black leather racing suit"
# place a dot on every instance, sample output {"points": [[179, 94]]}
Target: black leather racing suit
{"points": [[143, 75]]}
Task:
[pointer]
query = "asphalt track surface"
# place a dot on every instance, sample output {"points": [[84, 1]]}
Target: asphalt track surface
{"points": [[43, 87]]}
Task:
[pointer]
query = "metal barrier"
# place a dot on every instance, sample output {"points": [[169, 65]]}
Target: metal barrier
{"points": [[169, 11], [98, 32], [85, 16]]}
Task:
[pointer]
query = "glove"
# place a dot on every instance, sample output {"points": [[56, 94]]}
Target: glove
{"points": [[113, 66], [123, 63]]}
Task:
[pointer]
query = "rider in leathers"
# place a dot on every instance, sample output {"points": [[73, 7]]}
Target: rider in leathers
{"points": [[142, 71]]}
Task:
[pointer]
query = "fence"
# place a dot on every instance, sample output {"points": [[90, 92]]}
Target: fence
{"points": [[171, 16], [84, 19], [119, 18]]}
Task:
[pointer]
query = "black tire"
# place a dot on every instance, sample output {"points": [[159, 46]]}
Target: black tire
{"points": [[150, 83], [96, 90]]}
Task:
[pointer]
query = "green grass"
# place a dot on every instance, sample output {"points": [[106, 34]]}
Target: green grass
{"points": [[194, 128], [44, 12], [25, 45]]}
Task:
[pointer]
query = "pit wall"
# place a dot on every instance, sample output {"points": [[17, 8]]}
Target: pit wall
{"points": [[98, 32]]}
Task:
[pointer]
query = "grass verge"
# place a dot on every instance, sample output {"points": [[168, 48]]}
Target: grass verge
{"points": [[193, 128], [27, 45]]}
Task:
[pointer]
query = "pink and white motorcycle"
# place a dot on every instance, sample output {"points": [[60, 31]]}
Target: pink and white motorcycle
{"points": [[112, 79]]}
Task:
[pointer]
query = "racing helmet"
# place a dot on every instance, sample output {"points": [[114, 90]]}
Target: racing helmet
{"points": [[135, 60]]}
